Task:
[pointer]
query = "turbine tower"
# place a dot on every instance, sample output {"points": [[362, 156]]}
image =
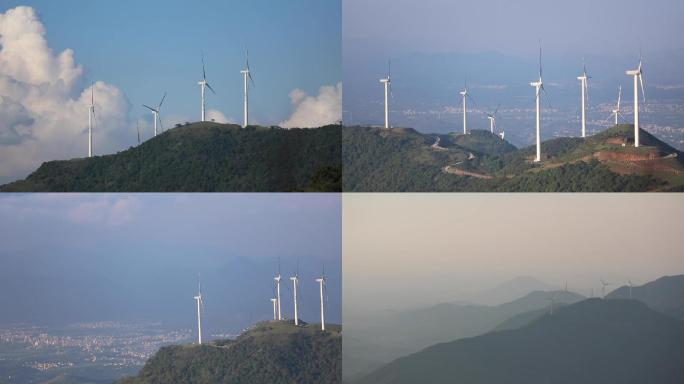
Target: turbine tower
{"points": [[538, 86], [204, 84], [91, 117], [387, 83], [200, 308], [552, 299], [155, 113], [603, 287], [246, 74], [583, 85], [464, 93], [295, 283], [616, 111], [275, 313], [630, 288], [277, 280], [321, 283], [637, 74]]}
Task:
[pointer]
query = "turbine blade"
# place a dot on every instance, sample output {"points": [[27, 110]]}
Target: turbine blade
{"points": [[204, 73], [641, 81], [162, 101], [212, 89], [150, 108], [619, 97], [250, 77]]}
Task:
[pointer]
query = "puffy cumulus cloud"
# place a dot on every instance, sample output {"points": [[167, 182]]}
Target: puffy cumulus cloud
{"points": [[219, 117], [43, 108], [315, 111]]}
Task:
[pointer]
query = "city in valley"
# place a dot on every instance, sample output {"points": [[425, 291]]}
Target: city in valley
{"points": [[96, 351]]}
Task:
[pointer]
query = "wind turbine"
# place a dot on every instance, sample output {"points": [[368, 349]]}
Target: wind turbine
{"points": [[275, 313], [387, 83], [204, 84], [552, 299], [492, 120], [637, 74], [155, 113], [295, 283], [277, 280], [583, 85], [465, 95], [538, 86], [616, 111], [200, 308], [91, 117], [603, 287], [246, 74], [321, 283]]}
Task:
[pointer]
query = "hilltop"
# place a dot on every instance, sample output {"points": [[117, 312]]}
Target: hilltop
{"points": [[270, 352], [593, 341], [402, 159], [665, 295], [204, 157]]}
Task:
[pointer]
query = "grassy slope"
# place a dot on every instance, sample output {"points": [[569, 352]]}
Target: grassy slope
{"points": [[204, 157], [402, 160]]}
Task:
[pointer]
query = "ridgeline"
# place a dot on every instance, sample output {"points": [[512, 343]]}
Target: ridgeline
{"points": [[204, 157], [270, 352], [594, 341], [402, 159]]}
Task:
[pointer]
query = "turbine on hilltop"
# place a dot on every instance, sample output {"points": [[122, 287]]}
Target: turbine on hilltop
{"points": [[637, 74], [538, 86], [200, 309], [204, 84], [91, 117], [155, 113], [585, 97], [387, 83], [245, 75], [321, 283]]}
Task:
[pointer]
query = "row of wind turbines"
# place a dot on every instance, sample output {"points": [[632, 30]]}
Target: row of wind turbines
{"points": [[539, 88], [554, 294], [277, 312], [156, 110]]}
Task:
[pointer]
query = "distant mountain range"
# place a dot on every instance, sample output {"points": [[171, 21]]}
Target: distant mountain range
{"points": [[398, 334], [583, 341], [665, 295], [593, 341], [204, 157], [402, 159], [270, 352]]}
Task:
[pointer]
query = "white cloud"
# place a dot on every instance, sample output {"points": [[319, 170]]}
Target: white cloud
{"points": [[219, 117], [315, 111], [105, 210], [43, 108]]}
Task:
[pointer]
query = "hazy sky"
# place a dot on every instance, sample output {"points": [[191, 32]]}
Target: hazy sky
{"points": [[421, 249], [84, 257], [582, 26], [51, 52]]}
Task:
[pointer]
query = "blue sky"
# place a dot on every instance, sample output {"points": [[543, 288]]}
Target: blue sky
{"points": [[89, 257], [147, 47], [436, 44]]}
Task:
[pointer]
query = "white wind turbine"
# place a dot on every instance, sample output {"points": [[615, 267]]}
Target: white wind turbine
{"points": [[155, 113], [295, 283], [538, 86], [277, 281], [245, 75], [492, 120], [465, 95], [603, 287], [616, 111], [204, 84], [200, 309], [637, 74], [321, 283], [91, 117], [585, 97], [387, 83], [275, 313]]}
